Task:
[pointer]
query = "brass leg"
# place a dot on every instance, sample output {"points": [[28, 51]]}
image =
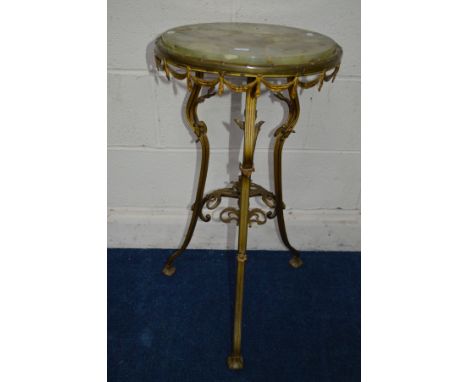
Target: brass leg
{"points": [[281, 134], [235, 360], [199, 128]]}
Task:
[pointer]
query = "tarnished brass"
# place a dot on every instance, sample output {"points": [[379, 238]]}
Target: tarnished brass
{"points": [[281, 134], [184, 71], [235, 360], [256, 215], [216, 81], [200, 129]]}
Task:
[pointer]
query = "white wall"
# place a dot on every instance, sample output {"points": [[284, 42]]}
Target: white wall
{"points": [[152, 157]]}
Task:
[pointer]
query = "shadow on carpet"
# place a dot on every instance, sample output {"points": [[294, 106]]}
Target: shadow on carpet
{"points": [[298, 324]]}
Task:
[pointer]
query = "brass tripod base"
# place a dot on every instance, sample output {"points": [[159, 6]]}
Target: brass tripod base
{"points": [[168, 270], [235, 362], [295, 262], [243, 189]]}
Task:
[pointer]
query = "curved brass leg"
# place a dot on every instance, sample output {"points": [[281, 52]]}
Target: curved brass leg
{"points": [[199, 128], [281, 134]]}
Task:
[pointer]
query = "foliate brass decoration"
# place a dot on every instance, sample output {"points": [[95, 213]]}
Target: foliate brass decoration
{"points": [[229, 214], [255, 215], [220, 80], [243, 189], [241, 125]]}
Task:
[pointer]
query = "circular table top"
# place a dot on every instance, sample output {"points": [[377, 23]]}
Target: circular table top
{"points": [[247, 48]]}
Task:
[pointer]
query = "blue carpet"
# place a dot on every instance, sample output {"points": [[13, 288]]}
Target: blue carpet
{"points": [[299, 324]]}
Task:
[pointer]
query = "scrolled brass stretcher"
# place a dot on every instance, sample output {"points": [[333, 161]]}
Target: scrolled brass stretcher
{"points": [[244, 58]]}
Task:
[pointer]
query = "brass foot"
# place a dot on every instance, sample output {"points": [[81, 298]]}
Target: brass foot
{"points": [[168, 270], [295, 262], [235, 362]]}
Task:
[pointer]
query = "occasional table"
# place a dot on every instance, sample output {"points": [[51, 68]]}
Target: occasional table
{"points": [[244, 58]]}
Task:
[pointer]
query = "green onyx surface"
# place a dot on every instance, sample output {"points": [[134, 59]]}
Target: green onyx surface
{"points": [[249, 48]]}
